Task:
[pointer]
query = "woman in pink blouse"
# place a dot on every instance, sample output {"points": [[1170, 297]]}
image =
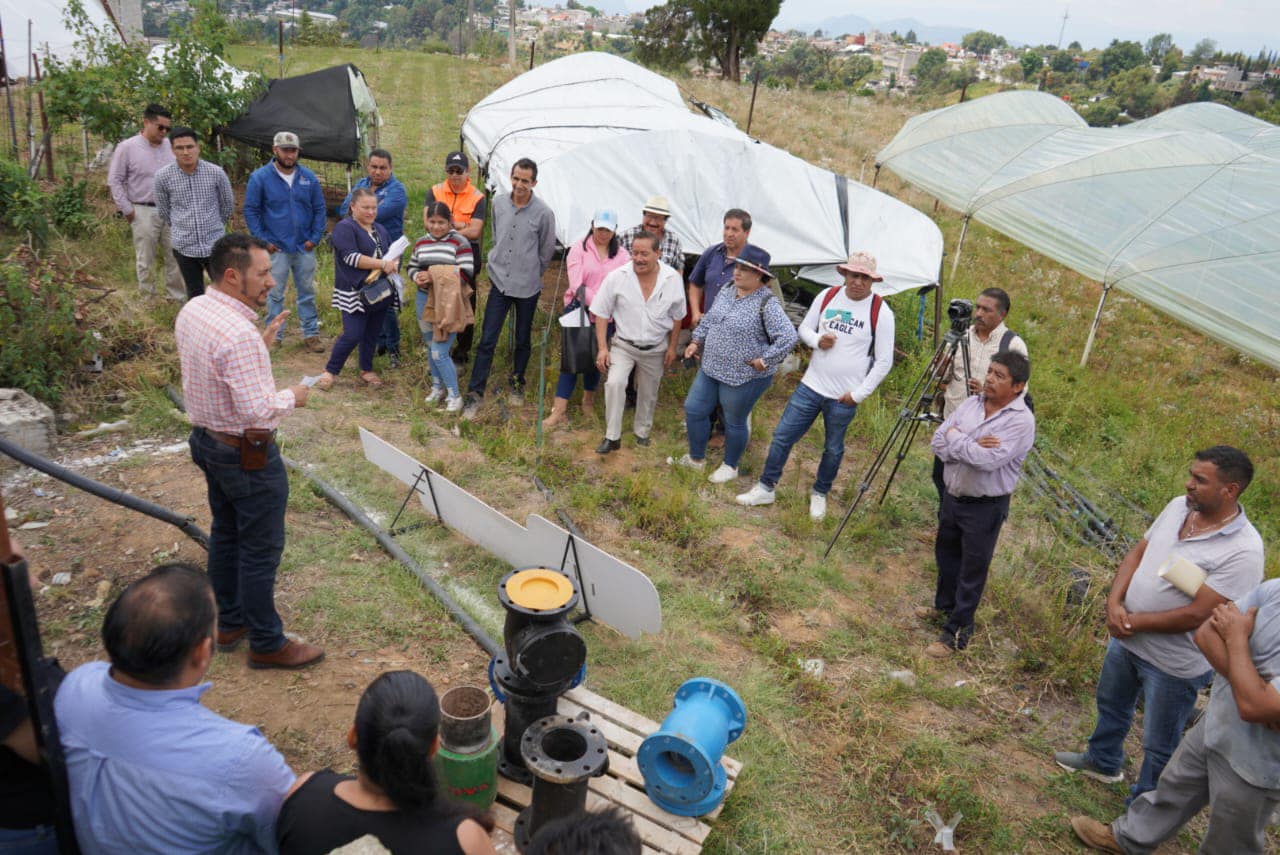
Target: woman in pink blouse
{"points": [[589, 261]]}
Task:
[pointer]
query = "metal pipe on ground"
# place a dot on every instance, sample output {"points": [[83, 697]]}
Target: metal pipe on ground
{"points": [[41, 464]]}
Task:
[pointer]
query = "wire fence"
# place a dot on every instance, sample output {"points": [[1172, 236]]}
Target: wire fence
{"points": [[44, 148]]}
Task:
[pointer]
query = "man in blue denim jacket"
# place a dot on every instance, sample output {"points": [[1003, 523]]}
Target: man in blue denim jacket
{"points": [[284, 206]]}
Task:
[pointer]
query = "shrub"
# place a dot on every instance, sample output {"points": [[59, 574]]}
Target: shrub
{"points": [[68, 209], [43, 345], [22, 205]]}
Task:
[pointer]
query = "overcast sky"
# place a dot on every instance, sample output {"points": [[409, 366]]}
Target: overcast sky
{"points": [[1245, 25]]}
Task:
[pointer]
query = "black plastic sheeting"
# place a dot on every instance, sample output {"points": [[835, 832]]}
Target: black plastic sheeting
{"points": [[316, 106]]}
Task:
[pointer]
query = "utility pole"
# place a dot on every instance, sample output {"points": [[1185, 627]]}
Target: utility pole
{"points": [[511, 33], [1061, 30]]}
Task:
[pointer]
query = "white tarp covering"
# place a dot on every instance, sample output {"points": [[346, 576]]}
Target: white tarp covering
{"points": [[223, 75], [49, 33], [607, 133], [1185, 218]]}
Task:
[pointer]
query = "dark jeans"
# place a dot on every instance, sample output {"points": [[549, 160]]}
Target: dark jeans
{"points": [[704, 396], [246, 538], [802, 409], [1167, 703], [567, 382], [389, 335], [193, 271], [967, 534], [939, 484], [495, 315], [358, 329], [462, 347]]}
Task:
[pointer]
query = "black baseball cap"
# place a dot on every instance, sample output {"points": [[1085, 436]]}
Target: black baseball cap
{"points": [[457, 158]]}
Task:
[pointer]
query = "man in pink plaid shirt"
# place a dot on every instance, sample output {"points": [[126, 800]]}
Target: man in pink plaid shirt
{"points": [[234, 406]]}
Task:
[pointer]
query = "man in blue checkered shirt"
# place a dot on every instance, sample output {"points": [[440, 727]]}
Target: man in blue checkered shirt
{"points": [[193, 198]]}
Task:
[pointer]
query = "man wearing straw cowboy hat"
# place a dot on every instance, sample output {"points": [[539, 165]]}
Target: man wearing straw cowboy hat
{"points": [[851, 332]]}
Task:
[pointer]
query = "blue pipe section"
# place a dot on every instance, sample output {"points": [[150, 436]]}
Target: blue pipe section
{"points": [[681, 762]]}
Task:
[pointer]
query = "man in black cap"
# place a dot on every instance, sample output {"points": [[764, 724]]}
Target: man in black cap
{"points": [[468, 207]]}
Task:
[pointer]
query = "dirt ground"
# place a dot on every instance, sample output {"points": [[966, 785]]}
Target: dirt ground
{"points": [[103, 547]]}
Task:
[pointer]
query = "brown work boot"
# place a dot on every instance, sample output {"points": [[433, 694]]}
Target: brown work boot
{"points": [[936, 650], [1095, 835], [294, 654], [313, 344], [928, 613], [229, 639]]}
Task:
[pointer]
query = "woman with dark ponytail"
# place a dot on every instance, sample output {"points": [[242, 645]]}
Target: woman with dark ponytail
{"points": [[394, 795]]}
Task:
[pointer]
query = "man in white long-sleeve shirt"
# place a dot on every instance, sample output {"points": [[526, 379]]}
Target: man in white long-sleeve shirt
{"points": [[851, 332]]}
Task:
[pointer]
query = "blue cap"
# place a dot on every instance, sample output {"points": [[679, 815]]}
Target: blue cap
{"points": [[605, 218]]}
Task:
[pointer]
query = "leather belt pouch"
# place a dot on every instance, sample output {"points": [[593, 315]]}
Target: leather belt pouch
{"points": [[253, 448]]}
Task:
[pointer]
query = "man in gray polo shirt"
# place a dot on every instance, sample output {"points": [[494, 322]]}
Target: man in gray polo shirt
{"points": [[524, 239], [1151, 622], [1231, 759]]}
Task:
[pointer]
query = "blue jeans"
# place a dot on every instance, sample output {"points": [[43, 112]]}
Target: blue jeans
{"points": [[736, 401], [389, 337], [41, 840], [443, 371], [1167, 703], [495, 315], [246, 538], [797, 418], [303, 266], [568, 382]]}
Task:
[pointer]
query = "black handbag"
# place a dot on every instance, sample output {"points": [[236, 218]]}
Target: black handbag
{"points": [[578, 346], [377, 287], [373, 293]]}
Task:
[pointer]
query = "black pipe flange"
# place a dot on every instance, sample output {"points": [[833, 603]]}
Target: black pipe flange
{"points": [[563, 754]]}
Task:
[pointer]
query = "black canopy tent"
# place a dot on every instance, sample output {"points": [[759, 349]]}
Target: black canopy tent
{"points": [[328, 110]]}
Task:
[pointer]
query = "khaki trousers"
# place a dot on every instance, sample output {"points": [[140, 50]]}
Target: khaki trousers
{"points": [[623, 359], [151, 237]]}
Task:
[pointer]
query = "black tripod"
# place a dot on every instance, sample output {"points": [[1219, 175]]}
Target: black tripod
{"points": [[924, 393]]}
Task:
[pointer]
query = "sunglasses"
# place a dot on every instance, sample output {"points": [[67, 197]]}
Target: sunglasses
{"points": [[164, 128], [455, 170]]}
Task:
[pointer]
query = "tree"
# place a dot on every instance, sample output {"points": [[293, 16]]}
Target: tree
{"points": [[1012, 73], [931, 70], [1121, 56], [1063, 62], [982, 42], [1135, 92], [962, 78], [1204, 50], [1171, 62], [106, 83], [721, 30], [661, 42], [911, 37], [1157, 46], [1031, 63], [1075, 46]]}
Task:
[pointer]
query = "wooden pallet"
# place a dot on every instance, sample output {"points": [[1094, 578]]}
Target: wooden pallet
{"points": [[662, 832]]}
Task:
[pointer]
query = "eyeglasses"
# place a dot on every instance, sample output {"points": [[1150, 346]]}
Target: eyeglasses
{"points": [[164, 128], [455, 170]]}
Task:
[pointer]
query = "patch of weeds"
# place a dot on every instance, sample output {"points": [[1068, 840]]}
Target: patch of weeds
{"points": [[649, 504]]}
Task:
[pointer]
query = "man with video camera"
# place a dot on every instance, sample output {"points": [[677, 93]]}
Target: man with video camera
{"points": [[987, 335]]}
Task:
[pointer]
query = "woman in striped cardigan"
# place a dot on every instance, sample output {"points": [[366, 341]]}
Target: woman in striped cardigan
{"points": [[358, 246], [441, 245]]}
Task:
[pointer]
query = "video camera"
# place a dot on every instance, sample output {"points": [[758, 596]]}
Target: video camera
{"points": [[961, 314]]}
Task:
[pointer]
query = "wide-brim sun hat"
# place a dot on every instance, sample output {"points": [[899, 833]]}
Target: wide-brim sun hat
{"points": [[861, 262]]}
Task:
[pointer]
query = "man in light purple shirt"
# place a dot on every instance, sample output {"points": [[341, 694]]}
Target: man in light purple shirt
{"points": [[982, 446], [131, 178]]}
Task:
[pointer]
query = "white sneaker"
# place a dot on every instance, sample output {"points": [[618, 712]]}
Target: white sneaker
{"points": [[723, 475], [817, 506], [687, 461], [453, 404], [757, 495], [436, 395]]}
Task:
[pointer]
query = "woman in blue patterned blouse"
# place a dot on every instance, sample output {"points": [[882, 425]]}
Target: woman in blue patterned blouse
{"points": [[744, 337]]}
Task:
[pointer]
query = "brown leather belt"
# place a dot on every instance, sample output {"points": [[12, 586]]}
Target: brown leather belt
{"points": [[230, 439]]}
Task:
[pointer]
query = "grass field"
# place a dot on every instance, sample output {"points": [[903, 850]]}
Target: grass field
{"points": [[848, 761]]}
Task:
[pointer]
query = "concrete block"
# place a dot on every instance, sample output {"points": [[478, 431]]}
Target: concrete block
{"points": [[27, 423]]}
